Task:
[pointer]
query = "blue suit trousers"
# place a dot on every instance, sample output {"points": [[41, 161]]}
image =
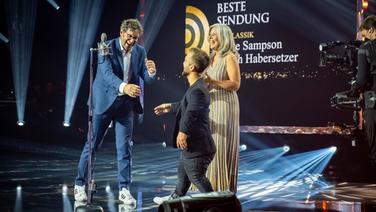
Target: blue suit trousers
{"points": [[122, 115]]}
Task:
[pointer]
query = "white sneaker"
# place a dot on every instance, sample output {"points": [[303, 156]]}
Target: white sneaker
{"points": [[79, 193], [126, 197], [127, 208], [160, 200], [78, 204]]}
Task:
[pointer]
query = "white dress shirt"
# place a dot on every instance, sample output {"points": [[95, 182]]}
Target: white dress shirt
{"points": [[126, 66]]}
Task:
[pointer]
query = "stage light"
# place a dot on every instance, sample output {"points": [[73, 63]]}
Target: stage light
{"points": [[308, 197], [18, 204], [365, 4], [301, 171], [108, 189], [243, 147], [286, 148], [155, 13], [66, 124], [151, 15], [21, 123], [67, 206], [333, 149], [164, 144], [54, 4], [21, 17], [3, 38], [110, 199], [83, 23], [259, 159], [64, 190]]}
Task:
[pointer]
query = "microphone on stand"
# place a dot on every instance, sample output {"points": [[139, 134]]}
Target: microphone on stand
{"points": [[89, 206], [103, 48], [103, 37]]}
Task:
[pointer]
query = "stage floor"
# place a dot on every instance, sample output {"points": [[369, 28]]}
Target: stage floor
{"points": [[33, 177]]}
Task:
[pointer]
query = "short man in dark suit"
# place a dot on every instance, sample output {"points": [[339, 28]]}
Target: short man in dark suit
{"points": [[192, 134], [115, 98]]}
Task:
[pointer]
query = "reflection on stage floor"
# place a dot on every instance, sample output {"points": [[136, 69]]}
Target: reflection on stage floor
{"points": [[39, 177]]}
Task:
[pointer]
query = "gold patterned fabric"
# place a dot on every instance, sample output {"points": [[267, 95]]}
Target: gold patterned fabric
{"points": [[224, 125]]}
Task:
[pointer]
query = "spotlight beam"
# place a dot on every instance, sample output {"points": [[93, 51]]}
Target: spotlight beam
{"points": [[67, 206], [21, 22], [301, 167], [155, 13], [261, 159], [18, 203], [110, 199], [300, 173], [54, 4], [3, 38], [84, 20], [286, 169]]}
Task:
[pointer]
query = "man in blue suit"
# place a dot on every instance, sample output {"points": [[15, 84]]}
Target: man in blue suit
{"points": [[115, 98], [192, 133]]}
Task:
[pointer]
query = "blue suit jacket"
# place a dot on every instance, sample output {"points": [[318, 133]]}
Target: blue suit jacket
{"points": [[109, 76]]}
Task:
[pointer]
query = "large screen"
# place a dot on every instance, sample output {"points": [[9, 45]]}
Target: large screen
{"points": [[278, 45]]}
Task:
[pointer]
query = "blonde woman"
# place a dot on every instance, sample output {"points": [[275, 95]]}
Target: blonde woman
{"points": [[223, 79]]}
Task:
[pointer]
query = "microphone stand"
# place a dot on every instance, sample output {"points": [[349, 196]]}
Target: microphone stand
{"points": [[90, 179]]}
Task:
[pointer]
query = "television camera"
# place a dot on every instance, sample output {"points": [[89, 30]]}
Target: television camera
{"points": [[341, 56]]}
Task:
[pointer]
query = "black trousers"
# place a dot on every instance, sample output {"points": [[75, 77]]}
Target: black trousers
{"points": [[370, 130], [193, 170]]}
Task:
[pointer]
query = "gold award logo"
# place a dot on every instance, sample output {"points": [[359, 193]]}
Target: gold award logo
{"points": [[196, 29]]}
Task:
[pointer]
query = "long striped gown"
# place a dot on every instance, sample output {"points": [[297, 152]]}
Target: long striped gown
{"points": [[224, 126]]}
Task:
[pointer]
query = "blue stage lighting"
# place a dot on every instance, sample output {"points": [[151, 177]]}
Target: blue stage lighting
{"points": [[66, 124], [20, 21], [67, 205], [286, 148], [276, 173], [64, 190], [3, 38], [83, 23], [108, 189], [155, 14], [21, 123], [333, 149], [54, 4], [269, 183], [243, 147], [18, 204], [110, 200], [255, 162]]}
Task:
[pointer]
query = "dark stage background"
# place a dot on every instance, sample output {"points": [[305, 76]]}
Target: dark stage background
{"points": [[295, 93]]}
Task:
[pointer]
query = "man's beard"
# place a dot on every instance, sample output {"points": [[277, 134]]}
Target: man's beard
{"points": [[183, 73]]}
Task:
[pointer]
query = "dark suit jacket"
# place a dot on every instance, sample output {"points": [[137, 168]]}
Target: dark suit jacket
{"points": [[109, 76], [192, 118]]}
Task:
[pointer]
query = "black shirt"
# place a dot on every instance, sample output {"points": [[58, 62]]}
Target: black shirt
{"points": [[366, 64]]}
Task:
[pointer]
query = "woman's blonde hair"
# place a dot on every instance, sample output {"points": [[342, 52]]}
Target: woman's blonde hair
{"points": [[226, 39]]}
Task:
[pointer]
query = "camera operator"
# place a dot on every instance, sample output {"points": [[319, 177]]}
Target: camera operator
{"points": [[365, 82]]}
